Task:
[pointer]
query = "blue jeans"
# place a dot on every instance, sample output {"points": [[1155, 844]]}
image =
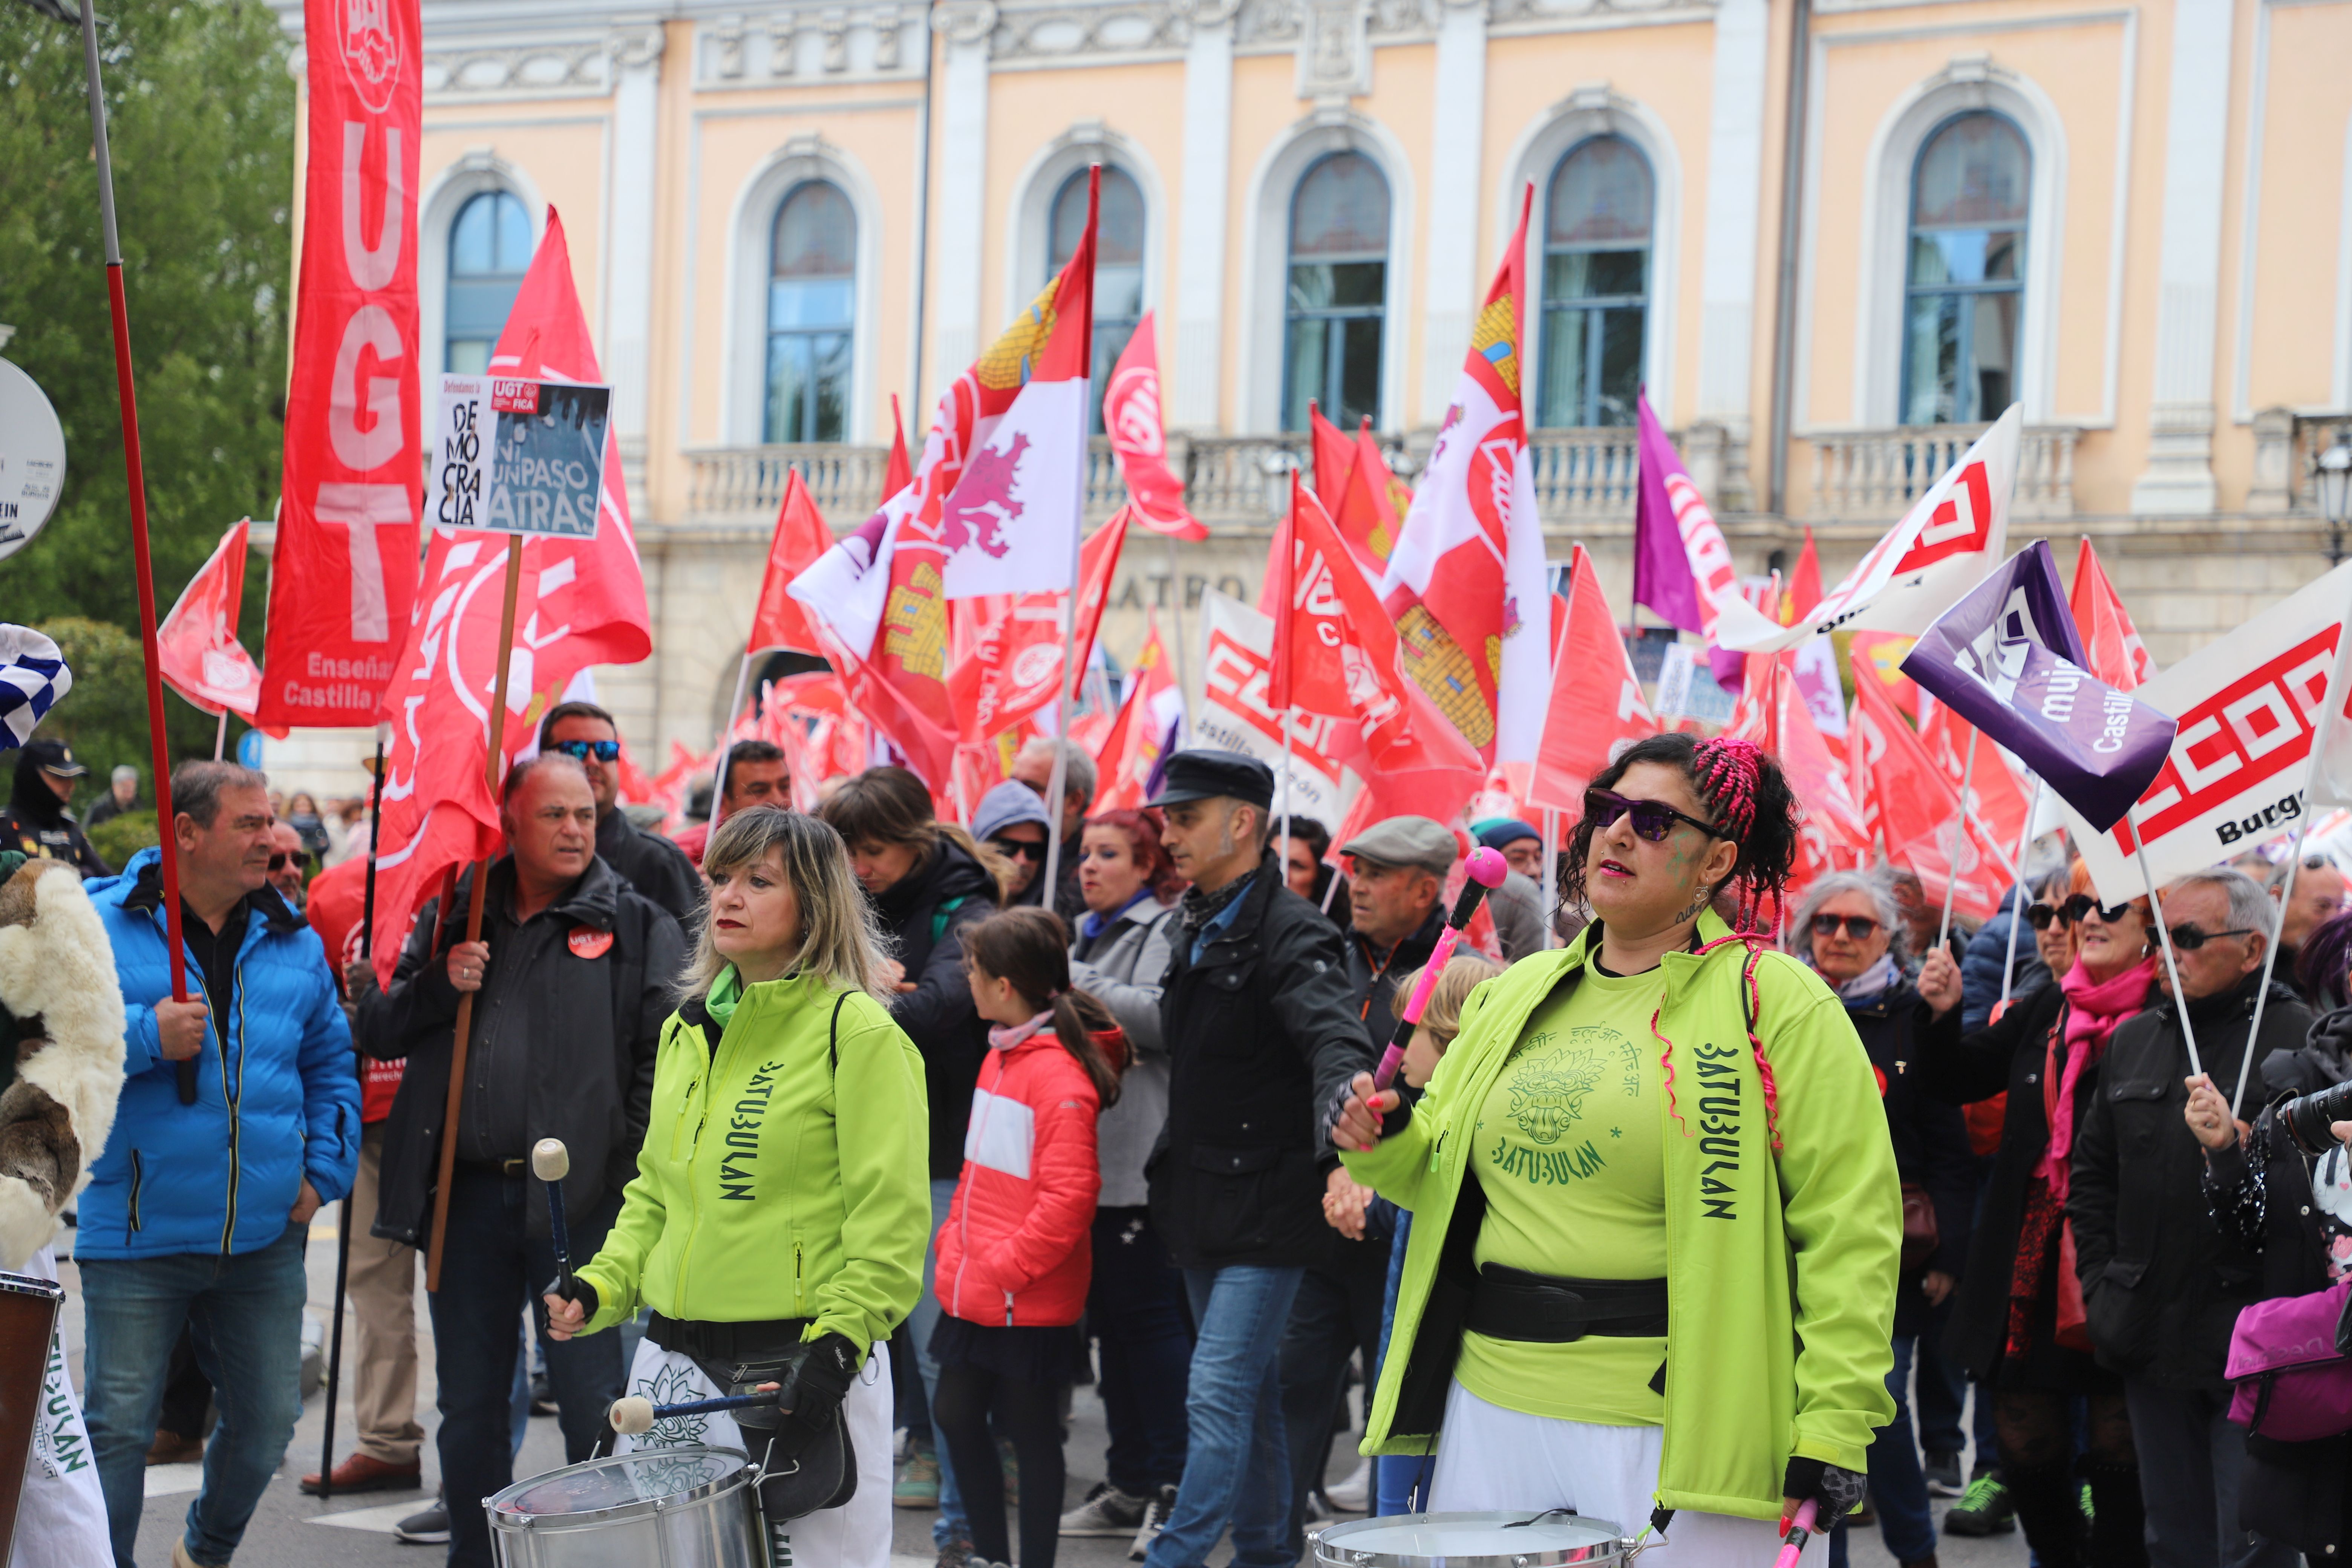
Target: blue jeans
{"points": [[477, 1341], [951, 1522], [1395, 1477], [1898, 1488], [1236, 1468], [1137, 1312], [248, 1314]]}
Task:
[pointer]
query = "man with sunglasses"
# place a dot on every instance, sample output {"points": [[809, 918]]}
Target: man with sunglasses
{"points": [[647, 862], [287, 861], [1011, 820], [2161, 1287], [2318, 898]]}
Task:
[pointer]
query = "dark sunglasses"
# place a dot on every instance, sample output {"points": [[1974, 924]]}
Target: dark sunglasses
{"points": [[2082, 904], [1653, 820], [278, 861], [1018, 849], [2038, 916], [603, 751], [1861, 927], [2189, 937]]}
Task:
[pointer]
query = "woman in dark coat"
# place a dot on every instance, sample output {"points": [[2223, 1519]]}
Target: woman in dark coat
{"points": [[2044, 1052], [1849, 930]]}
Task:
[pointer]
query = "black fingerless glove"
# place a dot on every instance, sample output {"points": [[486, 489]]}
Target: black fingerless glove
{"points": [[583, 1293], [1391, 1122], [818, 1385], [1838, 1491]]}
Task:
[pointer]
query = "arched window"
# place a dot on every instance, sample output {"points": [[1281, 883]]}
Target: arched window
{"points": [[811, 302], [1119, 263], [1967, 272], [490, 249], [1338, 296], [1596, 284]]}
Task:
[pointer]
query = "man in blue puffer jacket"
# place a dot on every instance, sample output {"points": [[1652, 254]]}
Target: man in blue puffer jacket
{"points": [[197, 1212]]}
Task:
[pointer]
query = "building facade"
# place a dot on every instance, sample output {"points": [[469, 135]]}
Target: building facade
{"points": [[1831, 240]]}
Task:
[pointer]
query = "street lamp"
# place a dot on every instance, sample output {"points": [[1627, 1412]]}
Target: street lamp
{"points": [[2335, 476]]}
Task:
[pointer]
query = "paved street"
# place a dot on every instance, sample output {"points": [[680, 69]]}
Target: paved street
{"points": [[292, 1531]]}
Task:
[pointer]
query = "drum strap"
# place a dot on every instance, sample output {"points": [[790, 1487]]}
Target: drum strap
{"points": [[1542, 1308]]}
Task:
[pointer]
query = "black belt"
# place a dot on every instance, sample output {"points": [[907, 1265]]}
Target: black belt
{"points": [[1539, 1308], [746, 1343], [508, 1168]]}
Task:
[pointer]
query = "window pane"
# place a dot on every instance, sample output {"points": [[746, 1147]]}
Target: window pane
{"points": [[795, 304], [1621, 366], [470, 241], [1595, 274], [1560, 399], [1304, 351], [1601, 192], [817, 233], [1931, 361], [468, 357], [1119, 290], [830, 415], [1992, 352], [1118, 233], [514, 235], [1310, 289], [1341, 209], [1974, 171], [1358, 392]]}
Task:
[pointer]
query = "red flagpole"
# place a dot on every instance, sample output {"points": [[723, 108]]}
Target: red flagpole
{"points": [[142, 558]]}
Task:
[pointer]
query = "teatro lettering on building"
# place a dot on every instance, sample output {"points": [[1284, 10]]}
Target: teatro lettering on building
{"points": [[1831, 239]]}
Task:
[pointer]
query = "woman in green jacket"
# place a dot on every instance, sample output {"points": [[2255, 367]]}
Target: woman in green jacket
{"points": [[781, 1203], [1657, 1221]]}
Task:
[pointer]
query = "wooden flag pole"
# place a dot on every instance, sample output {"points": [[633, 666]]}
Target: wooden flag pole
{"points": [[448, 1160]]}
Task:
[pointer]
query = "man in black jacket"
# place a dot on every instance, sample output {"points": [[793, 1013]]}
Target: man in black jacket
{"points": [[1260, 1030], [570, 984], [36, 820], [647, 862], [2161, 1289]]}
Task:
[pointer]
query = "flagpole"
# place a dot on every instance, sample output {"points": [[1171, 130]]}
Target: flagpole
{"points": [[1550, 875], [459, 1040], [143, 561], [220, 734], [2017, 910], [1184, 674], [1283, 853], [1960, 837], [727, 738], [2164, 936]]}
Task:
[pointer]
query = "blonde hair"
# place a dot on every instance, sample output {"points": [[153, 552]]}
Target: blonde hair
{"points": [[841, 938], [1443, 1015]]}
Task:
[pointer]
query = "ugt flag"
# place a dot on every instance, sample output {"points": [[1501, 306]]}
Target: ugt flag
{"points": [[1131, 419], [1943, 547], [2007, 659]]}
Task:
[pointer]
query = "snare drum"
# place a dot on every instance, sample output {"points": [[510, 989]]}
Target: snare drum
{"points": [[29, 1319], [661, 1507], [1472, 1541]]}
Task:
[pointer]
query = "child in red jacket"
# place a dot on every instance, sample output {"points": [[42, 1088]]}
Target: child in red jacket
{"points": [[1014, 1258]]}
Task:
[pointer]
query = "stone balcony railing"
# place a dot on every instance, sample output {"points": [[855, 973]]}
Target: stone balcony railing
{"points": [[1876, 475], [2287, 450]]}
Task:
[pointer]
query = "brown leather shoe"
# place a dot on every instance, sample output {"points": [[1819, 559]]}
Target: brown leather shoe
{"points": [[362, 1473], [171, 1449]]}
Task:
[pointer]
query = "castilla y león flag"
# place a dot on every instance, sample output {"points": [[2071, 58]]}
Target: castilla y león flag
{"points": [[1465, 583], [343, 571], [582, 602]]}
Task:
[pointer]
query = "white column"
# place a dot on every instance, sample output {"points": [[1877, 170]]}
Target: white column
{"points": [[1734, 180], [630, 207], [962, 184], [1450, 298], [2178, 477], [1205, 186]]}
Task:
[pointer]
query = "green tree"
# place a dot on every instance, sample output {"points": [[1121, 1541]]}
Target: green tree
{"points": [[200, 119], [104, 717]]}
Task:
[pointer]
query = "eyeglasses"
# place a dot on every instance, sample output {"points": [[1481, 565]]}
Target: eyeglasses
{"points": [[603, 751], [1018, 848], [2082, 904], [278, 861], [1653, 820], [1861, 927], [2189, 937], [2038, 916]]}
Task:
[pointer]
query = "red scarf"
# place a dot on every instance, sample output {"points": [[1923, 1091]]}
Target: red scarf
{"points": [[2094, 1008]]}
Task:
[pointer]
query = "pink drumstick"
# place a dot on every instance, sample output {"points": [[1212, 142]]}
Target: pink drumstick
{"points": [[1800, 1530], [1487, 869]]}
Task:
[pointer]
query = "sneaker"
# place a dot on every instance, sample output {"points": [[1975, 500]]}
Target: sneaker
{"points": [[956, 1552], [425, 1527], [918, 1483], [1107, 1511], [1353, 1495], [542, 1396], [1155, 1515], [1943, 1479], [1984, 1509]]}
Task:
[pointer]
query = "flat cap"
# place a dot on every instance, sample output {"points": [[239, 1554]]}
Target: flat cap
{"points": [[1205, 775], [1407, 841]]}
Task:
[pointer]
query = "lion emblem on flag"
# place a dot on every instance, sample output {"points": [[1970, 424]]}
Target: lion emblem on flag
{"points": [[975, 515]]}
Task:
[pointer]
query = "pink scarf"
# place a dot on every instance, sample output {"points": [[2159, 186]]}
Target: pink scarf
{"points": [[1002, 1038], [2094, 1008]]}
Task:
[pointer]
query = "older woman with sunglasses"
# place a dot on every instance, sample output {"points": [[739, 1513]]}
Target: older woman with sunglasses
{"points": [[1849, 929], [2016, 1325], [1656, 1219]]}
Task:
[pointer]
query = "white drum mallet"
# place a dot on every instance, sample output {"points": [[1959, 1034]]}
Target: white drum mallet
{"points": [[551, 1161], [632, 1415]]}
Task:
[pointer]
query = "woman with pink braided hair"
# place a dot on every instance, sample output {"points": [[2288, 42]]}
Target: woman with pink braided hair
{"points": [[1656, 1220]]}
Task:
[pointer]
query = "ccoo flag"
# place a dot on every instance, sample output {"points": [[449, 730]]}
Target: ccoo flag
{"points": [[2007, 657]]}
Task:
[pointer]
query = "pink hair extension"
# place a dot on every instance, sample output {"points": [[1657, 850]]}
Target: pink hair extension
{"points": [[1727, 774], [1666, 1065], [1756, 946]]}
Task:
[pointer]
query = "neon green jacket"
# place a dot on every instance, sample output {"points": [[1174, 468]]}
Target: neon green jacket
{"points": [[1780, 1270], [784, 1175]]}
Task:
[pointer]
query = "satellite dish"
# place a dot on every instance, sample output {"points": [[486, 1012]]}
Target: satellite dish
{"points": [[32, 459]]}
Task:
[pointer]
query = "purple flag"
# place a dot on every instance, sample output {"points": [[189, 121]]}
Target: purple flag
{"points": [[2008, 659]]}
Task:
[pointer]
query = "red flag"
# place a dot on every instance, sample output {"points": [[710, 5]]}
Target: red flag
{"points": [[1916, 808], [582, 602], [1306, 668], [799, 537], [1149, 726], [1016, 668], [343, 571], [1995, 799], [898, 473], [1879, 656], [2117, 655], [1590, 716], [1131, 416], [1831, 835], [201, 659], [1804, 583], [1332, 457]]}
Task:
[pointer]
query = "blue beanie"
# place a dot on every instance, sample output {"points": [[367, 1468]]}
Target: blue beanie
{"points": [[1508, 830]]}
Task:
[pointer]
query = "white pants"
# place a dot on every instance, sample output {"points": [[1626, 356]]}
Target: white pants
{"points": [[855, 1535], [61, 1518], [1492, 1458]]}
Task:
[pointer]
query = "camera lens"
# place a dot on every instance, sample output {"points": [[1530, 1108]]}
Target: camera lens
{"points": [[2308, 1118]]}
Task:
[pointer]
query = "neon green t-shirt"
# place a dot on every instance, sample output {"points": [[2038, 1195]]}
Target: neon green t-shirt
{"points": [[1569, 1150]]}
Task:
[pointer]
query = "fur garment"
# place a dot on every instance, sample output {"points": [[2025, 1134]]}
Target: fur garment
{"points": [[57, 975]]}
